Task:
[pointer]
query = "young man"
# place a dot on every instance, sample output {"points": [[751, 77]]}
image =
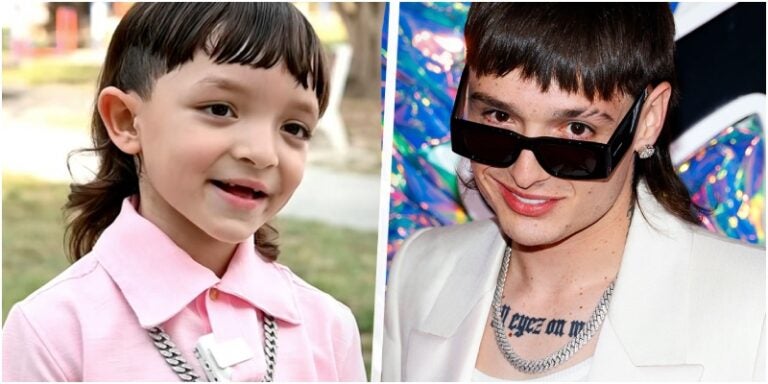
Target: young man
{"points": [[593, 268]]}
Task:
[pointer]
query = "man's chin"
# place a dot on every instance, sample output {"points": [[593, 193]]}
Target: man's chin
{"points": [[529, 238]]}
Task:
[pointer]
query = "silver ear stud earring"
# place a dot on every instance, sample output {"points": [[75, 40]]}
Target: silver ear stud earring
{"points": [[647, 151]]}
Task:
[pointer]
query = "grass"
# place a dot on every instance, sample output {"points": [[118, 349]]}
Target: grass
{"points": [[6, 32], [33, 230], [335, 260], [47, 70]]}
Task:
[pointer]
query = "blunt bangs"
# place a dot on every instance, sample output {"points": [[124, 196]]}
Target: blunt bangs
{"points": [[597, 49], [257, 34]]}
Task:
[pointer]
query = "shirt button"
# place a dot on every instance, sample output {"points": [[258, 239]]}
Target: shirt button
{"points": [[213, 293]]}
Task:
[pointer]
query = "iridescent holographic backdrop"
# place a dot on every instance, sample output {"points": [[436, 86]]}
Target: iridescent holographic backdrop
{"points": [[429, 63], [726, 174]]}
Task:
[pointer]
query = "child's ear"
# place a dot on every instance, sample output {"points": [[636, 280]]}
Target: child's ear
{"points": [[118, 110], [652, 119]]}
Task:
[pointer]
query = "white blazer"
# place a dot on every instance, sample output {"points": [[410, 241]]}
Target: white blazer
{"points": [[687, 305]]}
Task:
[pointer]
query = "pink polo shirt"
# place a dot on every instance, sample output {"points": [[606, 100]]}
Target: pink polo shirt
{"points": [[89, 323]]}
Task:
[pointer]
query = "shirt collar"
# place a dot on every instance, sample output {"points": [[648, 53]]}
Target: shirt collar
{"points": [[159, 279]]}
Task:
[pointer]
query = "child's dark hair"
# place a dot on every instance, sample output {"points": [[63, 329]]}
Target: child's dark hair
{"points": [[156, 38], [598, 49]]}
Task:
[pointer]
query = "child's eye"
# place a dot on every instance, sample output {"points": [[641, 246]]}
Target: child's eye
{"points": [[579, 130], [297, 130], [221, 110]]}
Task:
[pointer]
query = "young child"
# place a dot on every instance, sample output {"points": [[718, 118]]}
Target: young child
{"points": [[201, 125]]}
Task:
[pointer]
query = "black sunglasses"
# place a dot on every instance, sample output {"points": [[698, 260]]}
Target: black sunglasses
{"points": [[563, 158]]}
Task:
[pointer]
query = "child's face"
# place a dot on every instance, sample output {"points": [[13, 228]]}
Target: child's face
{"points": [[535, 208], [223, 147]]}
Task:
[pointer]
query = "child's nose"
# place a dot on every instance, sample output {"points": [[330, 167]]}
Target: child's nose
{"points": [[258, 147]]}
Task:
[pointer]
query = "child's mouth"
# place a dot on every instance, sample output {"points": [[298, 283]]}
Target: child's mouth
{"points": [[240, 191]]}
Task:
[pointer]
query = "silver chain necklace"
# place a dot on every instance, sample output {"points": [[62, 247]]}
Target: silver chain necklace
{"points": [[179, 364], [558, 357]]}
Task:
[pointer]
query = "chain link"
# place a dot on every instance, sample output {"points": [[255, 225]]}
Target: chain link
{"points": [[558, 357], [172, 356], [179, 365], [270, 346]]}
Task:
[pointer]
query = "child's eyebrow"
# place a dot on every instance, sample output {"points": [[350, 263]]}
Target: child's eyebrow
{"points": [[223, 83], [306, 107], [232, 86]]}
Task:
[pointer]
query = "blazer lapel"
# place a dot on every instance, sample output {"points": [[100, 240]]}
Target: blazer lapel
{"points": [[645, 336], [449, 338], [612, 362]]}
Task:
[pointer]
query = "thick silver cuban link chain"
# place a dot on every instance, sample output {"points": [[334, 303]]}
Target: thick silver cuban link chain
{"points": [[172, 355], [179, 364], [270, 346], [558, 357]]}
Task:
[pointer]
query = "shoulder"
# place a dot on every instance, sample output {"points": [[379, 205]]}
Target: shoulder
{"points": [[83, 283], [46, 330], [730, 268], [441, 247], [435, 258], [726, 304], [715, 248], [318, 306], [724, 275], [716, 264], [330, 329]]}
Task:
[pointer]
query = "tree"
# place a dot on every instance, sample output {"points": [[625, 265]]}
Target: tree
{"points": [[363, 23]]}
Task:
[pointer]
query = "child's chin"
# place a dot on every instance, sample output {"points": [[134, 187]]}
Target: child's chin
{"points": [[233, 235]]}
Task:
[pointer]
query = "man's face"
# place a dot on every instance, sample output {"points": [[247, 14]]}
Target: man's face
{"points": [[534, 208]]}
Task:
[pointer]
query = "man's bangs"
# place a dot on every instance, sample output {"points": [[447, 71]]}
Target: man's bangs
{"points": [[573, 46], [569, 71]]}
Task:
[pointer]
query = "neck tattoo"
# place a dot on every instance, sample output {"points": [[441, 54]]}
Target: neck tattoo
{"points": [[520, 324], [580, 333]]}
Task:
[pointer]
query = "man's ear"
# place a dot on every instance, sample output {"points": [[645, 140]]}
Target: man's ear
{"points": [[118, 111], [653, 115]]}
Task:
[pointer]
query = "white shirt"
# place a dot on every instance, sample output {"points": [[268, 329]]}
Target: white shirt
{"points": [[578, 372]]}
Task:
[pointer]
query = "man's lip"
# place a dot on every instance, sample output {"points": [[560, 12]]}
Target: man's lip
{"points": [[528, 195], [537, 205]]}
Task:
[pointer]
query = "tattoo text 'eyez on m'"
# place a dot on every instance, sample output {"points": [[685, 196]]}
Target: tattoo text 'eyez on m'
{"points": [[521, 324]]}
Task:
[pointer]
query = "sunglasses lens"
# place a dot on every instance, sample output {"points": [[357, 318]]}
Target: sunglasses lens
{"points": [[498, 147], [569, 161], [484, 144]]}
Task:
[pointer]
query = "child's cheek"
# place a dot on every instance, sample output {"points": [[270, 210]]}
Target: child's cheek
{"points": [[291, 170]]}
